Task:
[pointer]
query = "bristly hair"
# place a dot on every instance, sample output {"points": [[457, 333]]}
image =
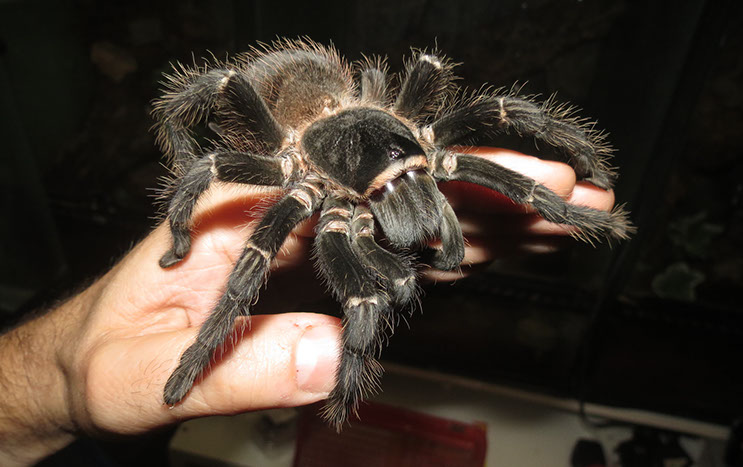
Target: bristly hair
{"points": [[181, 88], [373, 74], [270, 64], [436, 84]]}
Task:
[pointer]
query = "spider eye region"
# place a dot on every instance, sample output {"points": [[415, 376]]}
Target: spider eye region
{"points": [[357, 146]]}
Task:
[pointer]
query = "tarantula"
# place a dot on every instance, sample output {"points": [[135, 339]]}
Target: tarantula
{"points": [[293, 116]]}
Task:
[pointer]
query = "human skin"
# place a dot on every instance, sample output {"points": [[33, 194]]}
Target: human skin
{"points": [[97, 362]]}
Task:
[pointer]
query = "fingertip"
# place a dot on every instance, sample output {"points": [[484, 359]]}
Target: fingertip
{"points": [[316, 359], [588, 194]]}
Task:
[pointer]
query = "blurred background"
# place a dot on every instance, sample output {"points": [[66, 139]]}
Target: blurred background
{"points": [[654, 323]]}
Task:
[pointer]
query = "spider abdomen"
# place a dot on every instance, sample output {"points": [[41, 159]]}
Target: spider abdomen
{"points": [[300, 85]]}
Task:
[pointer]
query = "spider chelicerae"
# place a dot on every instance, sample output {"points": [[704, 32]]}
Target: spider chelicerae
{"points": [[295, 116]]}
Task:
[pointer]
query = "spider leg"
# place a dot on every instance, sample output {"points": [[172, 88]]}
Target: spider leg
{"points": [[592, 223], [366, 311], [424, 87], [584, 148], [192, 97], [243, 284], [374, 82], [394, 272], [225, 166], [245, 112]]}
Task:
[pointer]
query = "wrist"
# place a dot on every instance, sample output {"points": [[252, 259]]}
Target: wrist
{"points": [[35, 418]]}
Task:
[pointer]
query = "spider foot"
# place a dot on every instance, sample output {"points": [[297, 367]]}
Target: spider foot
{"points": [[358, 376], [593, 169], [181, 246], [176, 389], [192, 363], [170, 258], [604, 180], [620, 226]]}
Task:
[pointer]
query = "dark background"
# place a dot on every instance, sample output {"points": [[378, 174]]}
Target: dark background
{"points": [[653, 323]]}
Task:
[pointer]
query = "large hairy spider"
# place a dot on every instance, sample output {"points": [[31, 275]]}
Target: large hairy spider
{"points": [[293, 116]]}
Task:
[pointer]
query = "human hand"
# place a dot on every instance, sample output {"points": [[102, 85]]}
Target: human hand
{"points": [[98, 362], [106, 353]]}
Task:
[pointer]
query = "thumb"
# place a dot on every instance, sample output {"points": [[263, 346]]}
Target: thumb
{"points": [[279, 360]]}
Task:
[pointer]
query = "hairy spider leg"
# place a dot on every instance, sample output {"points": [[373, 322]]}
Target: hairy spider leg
{"points": [[373, 81], [245, 280], [243, 112], [592, 223], [192, 97], [394, 272], [486, 115], [366, 311], [225, 166], [426, 80]]}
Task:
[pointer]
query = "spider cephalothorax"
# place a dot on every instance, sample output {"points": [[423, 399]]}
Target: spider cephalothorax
{"points": [[293, 116]]}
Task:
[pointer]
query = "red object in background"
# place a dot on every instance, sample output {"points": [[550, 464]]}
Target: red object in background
{"points": [[390, 437]]}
